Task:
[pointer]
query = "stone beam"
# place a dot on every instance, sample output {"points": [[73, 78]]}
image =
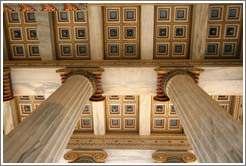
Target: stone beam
{"points": [[5, 48], [45, 36], [126, 80], [96, 32], [199, 31], [147, 31]]}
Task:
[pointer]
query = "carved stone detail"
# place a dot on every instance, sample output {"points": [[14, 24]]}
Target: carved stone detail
{"points": [[173, 157], [93, 74], [166, 73], [98, 156]]}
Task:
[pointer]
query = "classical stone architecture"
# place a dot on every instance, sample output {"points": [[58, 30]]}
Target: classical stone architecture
{"points": [[122, 83]]}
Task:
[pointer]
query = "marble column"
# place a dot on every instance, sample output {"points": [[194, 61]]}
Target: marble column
{"points": [[213, 133], [43, 136], [99, 120], [144, 114]]}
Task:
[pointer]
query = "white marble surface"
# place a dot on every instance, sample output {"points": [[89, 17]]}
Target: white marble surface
{"points": [[126, 80], [129, 156], [144, 114], [129, 80], [99, 120], [96, 32], [62, 160], [35, 81], [222, 80], [45, 36], [8, 123], [147, 31]]}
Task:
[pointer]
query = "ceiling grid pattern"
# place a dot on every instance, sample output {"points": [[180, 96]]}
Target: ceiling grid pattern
{"points": [[122, 113], [224, 31], [121, 32], [22, 35], [172, 30], [72, 35]]}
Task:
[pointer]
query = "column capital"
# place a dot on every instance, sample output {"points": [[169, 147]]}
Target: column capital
{"points": [[94, 156], [173, 156], [7, 88], [165, 70], [167, 73], [93, 74]]}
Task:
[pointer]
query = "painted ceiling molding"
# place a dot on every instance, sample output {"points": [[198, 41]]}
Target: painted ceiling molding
{"points": [[43, 6]]}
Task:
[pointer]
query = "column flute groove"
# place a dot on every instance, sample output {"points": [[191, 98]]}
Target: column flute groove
{"points": [[206, 129], [48, 110], [183, 117], [214, 134], [48, 129]]}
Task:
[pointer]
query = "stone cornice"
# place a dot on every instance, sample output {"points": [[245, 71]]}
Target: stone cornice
{"points": [[75, 63], [171, 142]]}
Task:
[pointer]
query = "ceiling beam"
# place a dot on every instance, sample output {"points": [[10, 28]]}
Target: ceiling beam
{"points": [[45, 36], [147, 32], [199, 31]]}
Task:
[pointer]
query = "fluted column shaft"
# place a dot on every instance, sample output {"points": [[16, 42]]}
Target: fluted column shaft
{"points": [[213, 133], [43, 136]]}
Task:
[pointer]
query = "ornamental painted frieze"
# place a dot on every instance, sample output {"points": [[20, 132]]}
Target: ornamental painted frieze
{"points": [[8, 7]]}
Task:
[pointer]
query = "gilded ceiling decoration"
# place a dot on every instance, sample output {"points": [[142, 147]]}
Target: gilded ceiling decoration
{"points": [[122, 32], [121, 28], [85, 122], [72, 34], [122, 113], [172, 31], [224, 34], [22, 35], [164, 118]]}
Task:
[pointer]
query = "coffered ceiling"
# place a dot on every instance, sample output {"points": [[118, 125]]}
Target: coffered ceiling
{"points": [[22, 35], [224, 31], [122, 113], [172, 31], [122, 32], [72, 34], [122, 27]]}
